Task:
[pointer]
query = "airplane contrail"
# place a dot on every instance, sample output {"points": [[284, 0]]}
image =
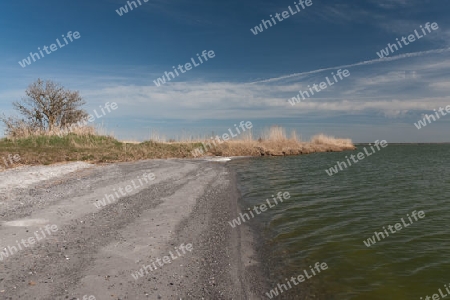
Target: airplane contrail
{"points": [[367, 62]]}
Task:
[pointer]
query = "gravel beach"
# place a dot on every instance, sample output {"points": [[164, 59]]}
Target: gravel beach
{"points": [[96, 249]]}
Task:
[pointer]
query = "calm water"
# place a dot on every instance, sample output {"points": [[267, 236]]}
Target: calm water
{"points": [[327, 219]]}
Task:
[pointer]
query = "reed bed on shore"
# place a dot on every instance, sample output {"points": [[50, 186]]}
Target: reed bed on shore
{"points": [[274, 142], [85, 145]]}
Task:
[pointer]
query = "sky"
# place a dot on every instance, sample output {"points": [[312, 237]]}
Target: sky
{"points": [[251, 77]]}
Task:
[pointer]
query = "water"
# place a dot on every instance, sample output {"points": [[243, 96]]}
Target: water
{"points": [[327, 219]]}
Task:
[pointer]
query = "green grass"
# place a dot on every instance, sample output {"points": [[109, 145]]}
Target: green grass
{"points": [[93, 148]]}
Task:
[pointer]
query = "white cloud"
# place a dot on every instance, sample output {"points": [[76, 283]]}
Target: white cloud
{"points": [[444, 85]]}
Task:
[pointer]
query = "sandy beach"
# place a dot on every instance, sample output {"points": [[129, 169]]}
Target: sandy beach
{"points": [[96, 249]]}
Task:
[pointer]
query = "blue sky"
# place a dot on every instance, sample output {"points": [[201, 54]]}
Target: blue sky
{"points": [[251, 76]]}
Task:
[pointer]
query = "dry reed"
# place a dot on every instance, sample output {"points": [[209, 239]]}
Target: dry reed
{"points": [[82, 144]]}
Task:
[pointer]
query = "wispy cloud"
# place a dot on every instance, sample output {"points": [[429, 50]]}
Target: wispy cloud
{"points": [[386, 91], [390, 4], [367, 62]]}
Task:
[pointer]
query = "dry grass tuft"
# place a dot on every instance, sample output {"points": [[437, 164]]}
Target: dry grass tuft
{"points": [[322, 139], [274, 142], [24, 131], [275, 134]]}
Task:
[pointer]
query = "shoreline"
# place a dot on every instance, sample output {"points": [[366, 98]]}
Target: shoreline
{"points": [[95, 251]]}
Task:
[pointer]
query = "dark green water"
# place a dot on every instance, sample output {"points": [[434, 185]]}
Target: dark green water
{"points": [[328, 218]]}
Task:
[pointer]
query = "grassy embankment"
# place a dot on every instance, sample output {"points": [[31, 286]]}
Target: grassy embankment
{"points": [[96, 148]]}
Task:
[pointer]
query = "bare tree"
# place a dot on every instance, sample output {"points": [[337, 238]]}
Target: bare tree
{"points": [[48, 106]]}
